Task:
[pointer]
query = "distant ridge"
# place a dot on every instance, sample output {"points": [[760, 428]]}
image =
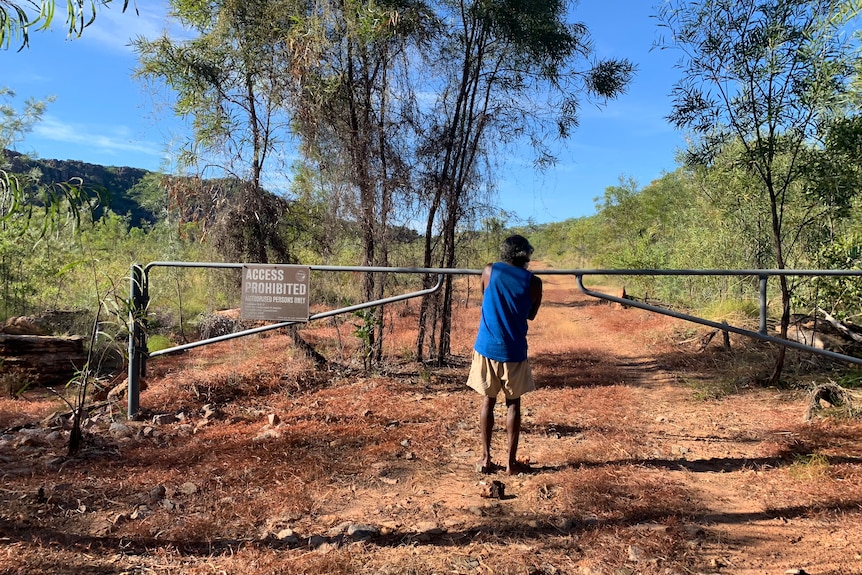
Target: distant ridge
{"points": [[116, 181]]}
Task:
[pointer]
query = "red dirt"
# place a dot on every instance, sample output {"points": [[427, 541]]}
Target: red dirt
{"points": [[651, 456]]}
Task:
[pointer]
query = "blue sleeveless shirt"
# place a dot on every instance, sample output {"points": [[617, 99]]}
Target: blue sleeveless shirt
{"points": [[506, 304]]}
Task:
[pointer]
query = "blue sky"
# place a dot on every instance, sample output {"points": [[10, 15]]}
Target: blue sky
{"points": [[102, 115]]}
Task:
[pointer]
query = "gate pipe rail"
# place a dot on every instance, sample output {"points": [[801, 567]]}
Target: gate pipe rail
{"points": [[139, 296], [762, 275]]}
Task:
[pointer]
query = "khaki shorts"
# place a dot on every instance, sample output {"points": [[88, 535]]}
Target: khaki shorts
{"points": [[488, 377]]}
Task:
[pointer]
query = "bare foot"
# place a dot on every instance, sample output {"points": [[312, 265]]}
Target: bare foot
{"points": [[518, 467], [487, 468]]}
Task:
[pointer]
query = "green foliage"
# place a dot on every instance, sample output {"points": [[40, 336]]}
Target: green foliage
{"points": [[18, 18], [851, 380], [761, 83], [840, 296], [150, 196], [157, 342], [15, 123], [229, 79], [365, 331]]}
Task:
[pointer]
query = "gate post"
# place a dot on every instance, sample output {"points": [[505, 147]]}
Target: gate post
{"points": [[763, 279], [136, 336]]}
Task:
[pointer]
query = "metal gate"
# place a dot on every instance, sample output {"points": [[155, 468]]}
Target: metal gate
{"points": [[140, 281]]}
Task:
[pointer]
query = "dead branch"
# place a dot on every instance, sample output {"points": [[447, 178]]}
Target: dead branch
{"points": [[840, 326]]}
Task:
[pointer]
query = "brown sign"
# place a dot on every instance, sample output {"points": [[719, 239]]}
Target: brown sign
{"points": [[275, 292]]}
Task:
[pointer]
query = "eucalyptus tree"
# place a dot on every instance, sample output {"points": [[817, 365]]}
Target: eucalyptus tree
{"points": [[230, 81], [505, 71], [355, 117], [17, 18], [766, 76]]}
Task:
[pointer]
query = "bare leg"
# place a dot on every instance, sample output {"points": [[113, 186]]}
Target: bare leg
{"points": [[513, 430], [486, 426]]}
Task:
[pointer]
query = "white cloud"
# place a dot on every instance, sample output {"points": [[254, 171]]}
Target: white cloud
{"points": [[116, 29], [111, 140]]}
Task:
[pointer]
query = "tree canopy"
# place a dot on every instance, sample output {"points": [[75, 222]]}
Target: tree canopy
{"points": [[763, 82]]}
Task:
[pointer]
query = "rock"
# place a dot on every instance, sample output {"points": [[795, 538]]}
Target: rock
{"points": [[118, 430], [27, 439], [119, 390], [156, 494], [339, 529], [495, 490], [636, 554], [164, 419], [23, 326], [273, 419], [188, 488], [467, 563], [287, 536], [53, 436], [266, 434]]}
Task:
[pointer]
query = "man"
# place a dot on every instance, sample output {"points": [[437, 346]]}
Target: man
{"points": [[511, 296]]}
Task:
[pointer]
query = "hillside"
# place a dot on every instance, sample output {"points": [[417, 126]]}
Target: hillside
{"points": [[650, 455], [116, 182]]}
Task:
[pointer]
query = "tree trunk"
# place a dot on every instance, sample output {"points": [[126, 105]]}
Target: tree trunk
{"points": [[778, 366]]}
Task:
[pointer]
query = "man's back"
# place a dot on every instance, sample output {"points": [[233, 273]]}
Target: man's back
{"points": [[506, 305]]}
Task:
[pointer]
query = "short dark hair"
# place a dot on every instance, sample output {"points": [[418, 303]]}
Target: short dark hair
{"points": [[516, 250]]}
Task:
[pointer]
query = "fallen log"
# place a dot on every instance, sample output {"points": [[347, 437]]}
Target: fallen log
{"points": [[42, 359]]}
